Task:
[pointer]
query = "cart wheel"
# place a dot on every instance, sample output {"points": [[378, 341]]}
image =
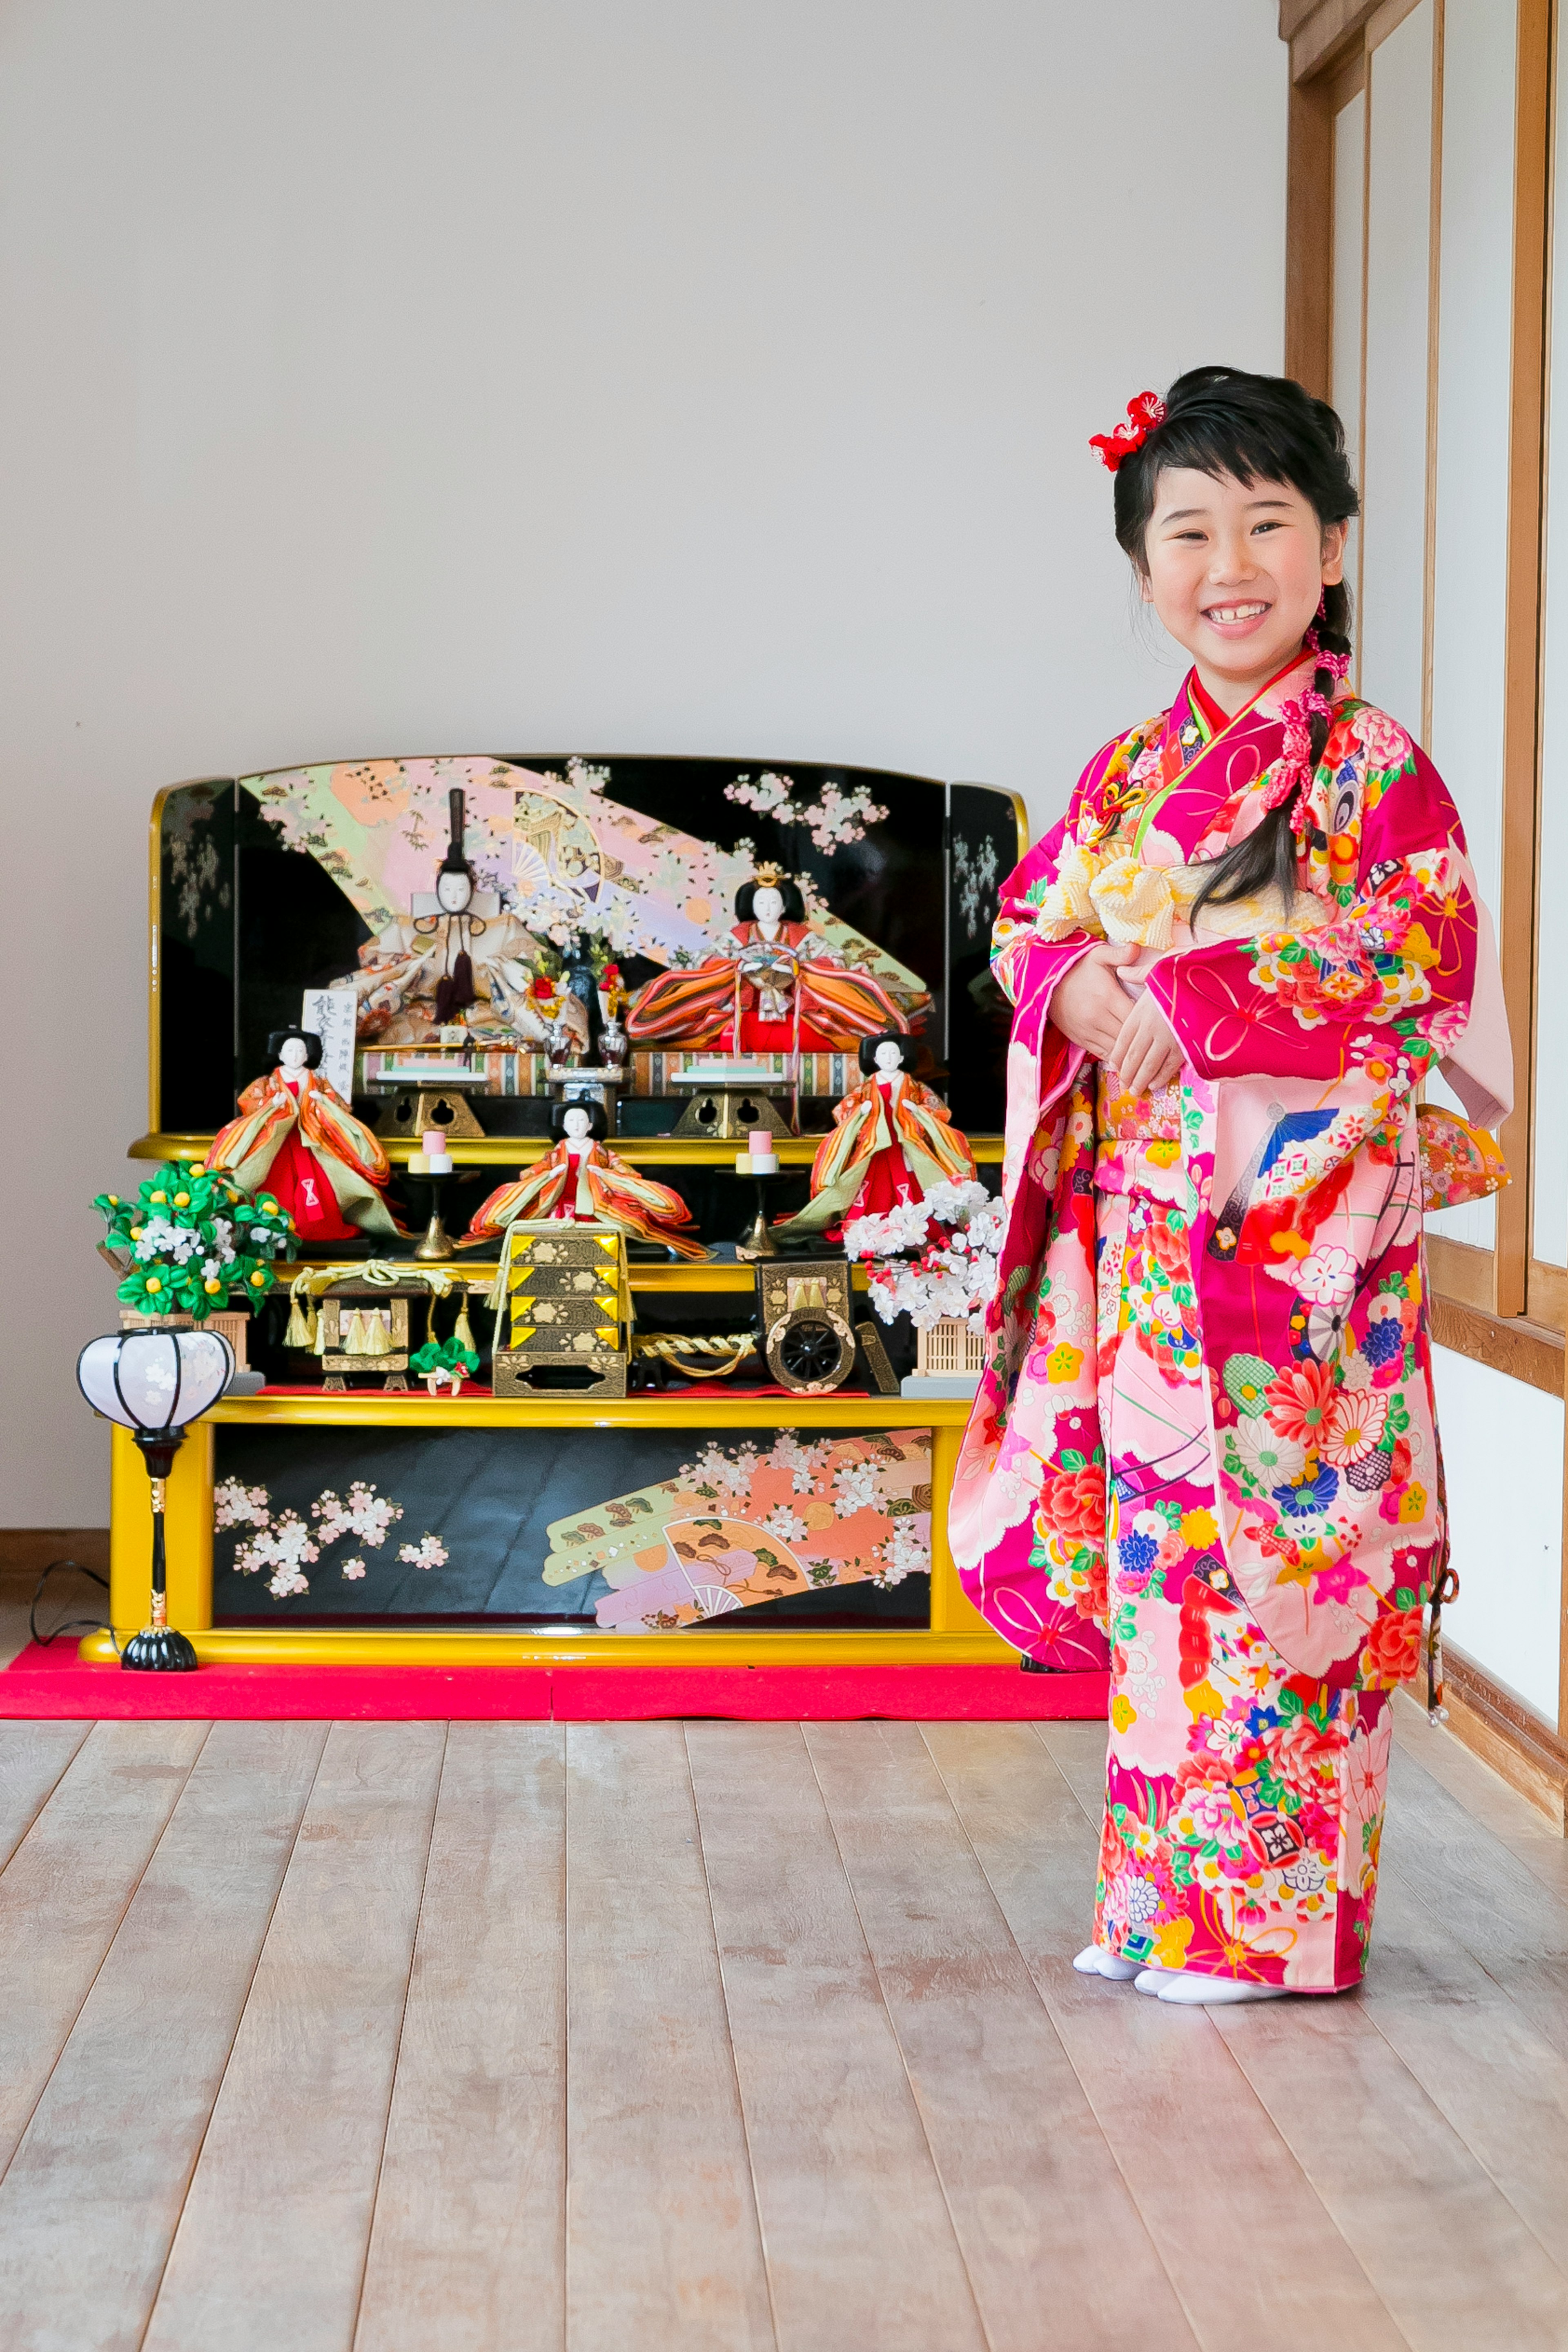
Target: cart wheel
{"points": [[811, 1352]]}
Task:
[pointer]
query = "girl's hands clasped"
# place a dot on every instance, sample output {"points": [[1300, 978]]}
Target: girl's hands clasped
{"points": [[1089, 1006], [1146, 1055]]}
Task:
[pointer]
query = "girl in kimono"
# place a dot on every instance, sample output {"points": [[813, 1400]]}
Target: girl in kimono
{"points": [[297, 1135], [582, 1181], [1204, 1452]]}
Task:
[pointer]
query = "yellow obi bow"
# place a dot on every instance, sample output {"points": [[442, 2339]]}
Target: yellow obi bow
{"points": [[1114, 897]]}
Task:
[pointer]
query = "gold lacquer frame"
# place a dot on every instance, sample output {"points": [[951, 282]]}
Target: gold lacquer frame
{"points": [[956, 1635]]}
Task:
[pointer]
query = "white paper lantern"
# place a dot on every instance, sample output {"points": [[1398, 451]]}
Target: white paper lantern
{"points": [[155, 1381]]}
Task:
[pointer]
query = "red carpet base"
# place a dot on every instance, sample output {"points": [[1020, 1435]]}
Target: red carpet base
{"points": [[44, 1683]]}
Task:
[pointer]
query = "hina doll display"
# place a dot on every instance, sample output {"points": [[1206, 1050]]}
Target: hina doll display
{"points": [[892, 1140], [774, 986], [296, 1136], [457, 959], [1203, 1451], [582, 1179]]}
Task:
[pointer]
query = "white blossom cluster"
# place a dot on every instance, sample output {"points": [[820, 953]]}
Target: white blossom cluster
{"points": [[235, 1506], [833, 819], [906, 1226], [366, 1515], [161, 1239], [731, 1477], [284, 1547], [428, 1552], [168, 1243], [802, 1462], [958, 1229], [906, 1552], [855, 1488], [287, 1544]]}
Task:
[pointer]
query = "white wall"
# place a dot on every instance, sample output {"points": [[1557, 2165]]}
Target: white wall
{"points": [[410, 375]]}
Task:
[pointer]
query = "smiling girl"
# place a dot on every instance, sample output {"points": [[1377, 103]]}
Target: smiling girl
{"points": [[1205, 1449]]}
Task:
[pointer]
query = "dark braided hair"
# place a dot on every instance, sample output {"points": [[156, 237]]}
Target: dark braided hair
{"points": [[1255, 428]]}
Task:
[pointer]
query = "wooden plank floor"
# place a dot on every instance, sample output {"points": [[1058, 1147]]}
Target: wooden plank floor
{"points": [[384, 2037]]}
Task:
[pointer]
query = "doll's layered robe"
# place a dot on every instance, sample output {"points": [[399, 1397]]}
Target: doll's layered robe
{"points": [[788, 995], [590, 1185], [1205, 1448], [299, 1137], [892, 1141]]}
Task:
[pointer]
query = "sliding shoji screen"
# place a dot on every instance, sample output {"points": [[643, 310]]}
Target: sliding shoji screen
{"points": [[1549, 1219], [1394, 460], [1468, 596], [1421, 358]]}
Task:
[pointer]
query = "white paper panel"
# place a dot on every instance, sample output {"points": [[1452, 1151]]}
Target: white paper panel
{"points": [[1394, 463], [1549, 1214], [1502, 1451], [1469, 581]]}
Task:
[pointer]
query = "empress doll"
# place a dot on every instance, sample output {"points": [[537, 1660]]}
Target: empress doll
{"points": [[297, 1135], [1205, 1451], [583, 1180], [774, 986]]}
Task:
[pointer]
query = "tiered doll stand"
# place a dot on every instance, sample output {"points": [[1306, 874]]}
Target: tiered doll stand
{"points": [[558, 1531]]}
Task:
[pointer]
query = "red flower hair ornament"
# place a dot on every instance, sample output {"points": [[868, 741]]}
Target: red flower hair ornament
{"points": [[1144, 411]]}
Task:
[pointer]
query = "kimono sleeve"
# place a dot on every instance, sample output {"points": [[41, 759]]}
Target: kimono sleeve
{"points": [[1039, 934], [1386, 983]]}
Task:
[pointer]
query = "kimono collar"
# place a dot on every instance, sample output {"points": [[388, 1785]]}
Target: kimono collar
{"points": [[1194, 707], [1221, 766]]}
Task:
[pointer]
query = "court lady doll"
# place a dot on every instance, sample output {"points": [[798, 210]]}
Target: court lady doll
{"points": [[892, 1140], [297, 1135], [582, 1179], [1205, 1449]]}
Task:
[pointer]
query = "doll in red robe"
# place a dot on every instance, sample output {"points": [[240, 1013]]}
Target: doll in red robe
{"points": [[297, 1135]]}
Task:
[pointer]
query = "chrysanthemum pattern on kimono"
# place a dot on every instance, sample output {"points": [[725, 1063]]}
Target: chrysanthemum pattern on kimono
{"points": [[1204, 1448]]}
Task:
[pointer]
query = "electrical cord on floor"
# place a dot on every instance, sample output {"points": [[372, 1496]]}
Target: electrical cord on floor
{"points": [[70, 1624]]}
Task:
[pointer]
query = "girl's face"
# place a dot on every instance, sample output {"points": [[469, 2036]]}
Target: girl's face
{"points": [[293, 1055], [1236, 571], [889, 1058], [577, 1124], [767, 905]]}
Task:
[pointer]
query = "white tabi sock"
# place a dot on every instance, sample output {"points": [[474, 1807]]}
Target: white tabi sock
{"points": [[1212, 1993], [1094, 1962]]}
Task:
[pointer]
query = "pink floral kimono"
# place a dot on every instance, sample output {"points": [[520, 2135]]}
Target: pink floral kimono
{"points": [[1204, 1448]]}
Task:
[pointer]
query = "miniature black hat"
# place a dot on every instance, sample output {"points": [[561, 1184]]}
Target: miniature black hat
{"points": [[455, 862]]}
